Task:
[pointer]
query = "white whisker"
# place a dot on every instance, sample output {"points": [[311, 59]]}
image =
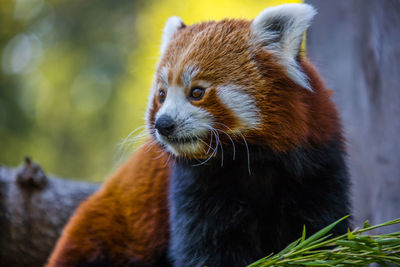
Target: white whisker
{"points": [[150, 145], [245, 142], [212, 132], [161, 155], [232, 142], [127, 138], [222, 150], [231, 139], [248, 154], [209, 146], [128, 142], [167, 161]]}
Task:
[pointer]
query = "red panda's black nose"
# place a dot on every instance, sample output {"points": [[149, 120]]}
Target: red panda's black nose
{"points": [[165, 125]]}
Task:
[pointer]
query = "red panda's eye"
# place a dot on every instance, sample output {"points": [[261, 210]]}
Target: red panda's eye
{"points": [[161, 96], [197, 93]]}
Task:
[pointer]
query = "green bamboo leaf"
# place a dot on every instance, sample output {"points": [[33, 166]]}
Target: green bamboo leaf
{"points": [[320, 233], [397, 234], [314, 263], [388, 241], [257, 263], [354, 245], [320, 240], [350, 235], [366, 239], [303, 236], [351, 249], [366, 224], [291, 246]]}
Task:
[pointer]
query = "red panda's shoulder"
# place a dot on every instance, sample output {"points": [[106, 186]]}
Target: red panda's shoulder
{"points": [[126, 221]]}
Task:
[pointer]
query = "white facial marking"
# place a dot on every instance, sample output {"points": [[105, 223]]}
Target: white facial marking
{"points": [[280, 29], [172, 25], [188, 74], [242, 105], [164, 75]]}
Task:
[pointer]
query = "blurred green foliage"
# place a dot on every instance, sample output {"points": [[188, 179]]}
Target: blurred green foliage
{"points": [[75, 75]]}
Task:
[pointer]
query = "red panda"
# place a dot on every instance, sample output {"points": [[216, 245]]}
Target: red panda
{"points": [[245, 148]]}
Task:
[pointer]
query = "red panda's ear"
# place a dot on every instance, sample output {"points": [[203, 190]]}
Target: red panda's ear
{"points": [[172, 25], [280, 29]]}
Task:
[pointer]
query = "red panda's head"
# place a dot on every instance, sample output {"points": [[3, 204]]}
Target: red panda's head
{"points": [[237, 80]]}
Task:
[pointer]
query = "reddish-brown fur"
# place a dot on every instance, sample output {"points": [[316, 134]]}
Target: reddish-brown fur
{"points": [[127, 220], [227, 52]]}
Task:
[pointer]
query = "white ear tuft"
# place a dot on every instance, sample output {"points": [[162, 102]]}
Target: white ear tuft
{"points": [[280, 29], [172, 25]]}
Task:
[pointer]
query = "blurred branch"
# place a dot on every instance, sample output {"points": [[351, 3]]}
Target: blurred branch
{"points": [[33, 210]]}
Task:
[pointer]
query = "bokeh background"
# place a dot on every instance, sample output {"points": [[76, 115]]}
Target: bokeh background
{"points": [[75, 75], [74, 80]]}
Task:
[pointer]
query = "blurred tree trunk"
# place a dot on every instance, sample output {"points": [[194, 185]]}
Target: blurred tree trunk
{"points": [[356, 46], [33, 210]]}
